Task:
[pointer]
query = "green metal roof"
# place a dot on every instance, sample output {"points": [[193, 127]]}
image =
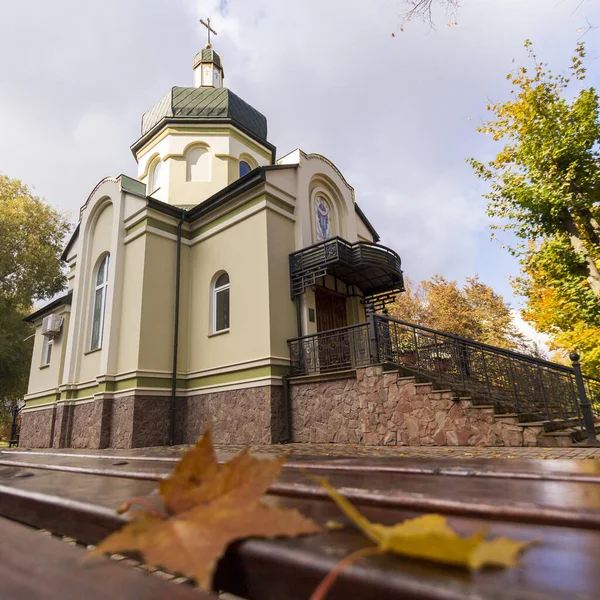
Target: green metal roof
{"points": [[208, 55], [206, 103]]}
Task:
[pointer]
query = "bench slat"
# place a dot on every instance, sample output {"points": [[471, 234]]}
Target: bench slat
{"points": [[33, 566], [577, 504], [291, 569]]}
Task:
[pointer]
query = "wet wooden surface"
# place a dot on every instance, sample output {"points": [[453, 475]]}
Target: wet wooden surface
{"points": [[563, 565], [567, 501], [36, 566]]}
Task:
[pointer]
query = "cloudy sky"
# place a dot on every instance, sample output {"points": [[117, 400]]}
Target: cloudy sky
{"points": [[396, 114]]}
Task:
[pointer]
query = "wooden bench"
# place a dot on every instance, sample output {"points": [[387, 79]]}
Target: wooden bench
{"points": [[74, 494]]}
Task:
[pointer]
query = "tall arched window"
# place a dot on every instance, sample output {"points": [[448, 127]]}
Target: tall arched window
{"points": [[220, 303], [99, 303], [198, 165], [155, 176], [245, 168]]}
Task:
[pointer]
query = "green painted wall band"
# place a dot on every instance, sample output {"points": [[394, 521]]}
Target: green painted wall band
{"points": [[196, 383]]}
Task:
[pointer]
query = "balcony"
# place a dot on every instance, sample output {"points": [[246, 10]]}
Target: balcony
{"points": [[372, 268]]}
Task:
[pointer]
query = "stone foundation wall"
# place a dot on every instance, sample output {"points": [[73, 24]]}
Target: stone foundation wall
{"points": [[84, 420], [246, 416], [375, 408], [37, 428]]}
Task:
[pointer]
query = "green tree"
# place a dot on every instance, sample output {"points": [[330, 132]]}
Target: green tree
{"points": [[545, 187], [473, 311], [545, 182], [31, 239]]}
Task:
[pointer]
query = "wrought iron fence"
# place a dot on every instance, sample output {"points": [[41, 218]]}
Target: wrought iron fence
{"points": [[332, 350], [15, 426], [512, 382]]}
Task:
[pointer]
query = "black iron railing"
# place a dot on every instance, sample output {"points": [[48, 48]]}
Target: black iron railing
{"points": [[375, 269], [15, 426], [334, 350], [512, 382]]}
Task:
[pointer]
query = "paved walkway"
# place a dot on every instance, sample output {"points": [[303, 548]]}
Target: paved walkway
{"points": [[225, 451]]}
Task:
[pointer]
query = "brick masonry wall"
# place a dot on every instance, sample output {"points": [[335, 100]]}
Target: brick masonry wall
{"points": [[373, 408]]}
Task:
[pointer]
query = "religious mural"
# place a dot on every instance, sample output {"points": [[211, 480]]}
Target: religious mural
{"points": [[322, 219]]}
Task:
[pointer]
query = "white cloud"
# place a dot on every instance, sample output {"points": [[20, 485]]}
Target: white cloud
{"points": [[396, 115], [541, 339]]}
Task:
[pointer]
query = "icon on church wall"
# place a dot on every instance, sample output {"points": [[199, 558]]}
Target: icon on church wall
{"points": [[323, 220]]}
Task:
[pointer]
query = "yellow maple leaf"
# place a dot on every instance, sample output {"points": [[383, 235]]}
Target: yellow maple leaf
{"points": [[207, 506], [430, 537]]}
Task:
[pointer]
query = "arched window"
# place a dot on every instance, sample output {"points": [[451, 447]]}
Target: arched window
{"points": [[220, 303], [245, 168], [99, 303], [198, 165], [155, 177]]}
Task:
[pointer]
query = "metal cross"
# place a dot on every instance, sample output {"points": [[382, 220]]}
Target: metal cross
{"points": [[208, 27]]}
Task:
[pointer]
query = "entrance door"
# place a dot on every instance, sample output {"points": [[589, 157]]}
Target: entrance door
{"points": [[331, 309], [334, 348]]}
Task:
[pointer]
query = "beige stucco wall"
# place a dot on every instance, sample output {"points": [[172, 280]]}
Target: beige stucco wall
{"points": [[241, 250], [100, 244], [158, 304], [362, 231], [227, 146], [282, 309], [132, 293], [47, 378]]}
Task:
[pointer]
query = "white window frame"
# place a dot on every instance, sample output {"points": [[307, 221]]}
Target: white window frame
{"points": [[103, 287], [47, 345], [158, 164], [215, 292]]}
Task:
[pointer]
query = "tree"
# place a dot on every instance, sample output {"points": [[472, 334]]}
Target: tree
{"points": [[31, 239], [474, 311], [423, 10], [545, 186]]}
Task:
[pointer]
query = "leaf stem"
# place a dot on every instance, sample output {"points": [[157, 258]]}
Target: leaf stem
{"points": [[144, 502], [321, 592]]}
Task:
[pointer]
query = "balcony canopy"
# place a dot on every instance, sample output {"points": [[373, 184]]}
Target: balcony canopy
{"points": [[372, 268]]}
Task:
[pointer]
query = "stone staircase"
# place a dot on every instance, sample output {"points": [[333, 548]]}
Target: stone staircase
{"points": [[519, 429]]}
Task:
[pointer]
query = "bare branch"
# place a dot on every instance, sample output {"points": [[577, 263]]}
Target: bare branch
{"points": [[423, 10]]}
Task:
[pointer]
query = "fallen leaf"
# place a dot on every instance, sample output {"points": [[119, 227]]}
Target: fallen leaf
{"points": [[207, 507], [430, 537]]}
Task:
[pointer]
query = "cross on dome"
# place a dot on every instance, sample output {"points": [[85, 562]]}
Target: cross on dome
{"points": [[208, 70], [209, 29]]}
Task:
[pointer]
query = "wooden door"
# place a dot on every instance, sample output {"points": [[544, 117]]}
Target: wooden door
{"points": [[333, 348], [331, 309]]}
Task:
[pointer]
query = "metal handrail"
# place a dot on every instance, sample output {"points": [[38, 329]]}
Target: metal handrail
{"points": [[326, 332], [512, 381], [495, 349]]}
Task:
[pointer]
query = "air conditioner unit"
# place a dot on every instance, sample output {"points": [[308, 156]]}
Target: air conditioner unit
{"points": [[51, 325]]}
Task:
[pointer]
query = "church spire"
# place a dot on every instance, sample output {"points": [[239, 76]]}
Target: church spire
{"points": [[208, 69]]}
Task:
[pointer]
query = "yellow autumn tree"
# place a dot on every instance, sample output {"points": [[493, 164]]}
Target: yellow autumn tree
{"points": [[473, 311]]}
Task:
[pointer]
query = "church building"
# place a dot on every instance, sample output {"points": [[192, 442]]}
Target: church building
{"points": [[188, 284]]}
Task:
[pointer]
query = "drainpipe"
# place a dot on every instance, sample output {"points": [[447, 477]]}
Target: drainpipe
{"points": [[175, 336]]}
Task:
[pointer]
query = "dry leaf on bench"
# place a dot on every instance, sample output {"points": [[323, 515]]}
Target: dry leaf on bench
{"points": [[430, 537], [207, 507]]}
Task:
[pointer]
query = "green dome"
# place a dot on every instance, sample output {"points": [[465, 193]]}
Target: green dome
{"points": [[205, 105], [207, 55]]}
